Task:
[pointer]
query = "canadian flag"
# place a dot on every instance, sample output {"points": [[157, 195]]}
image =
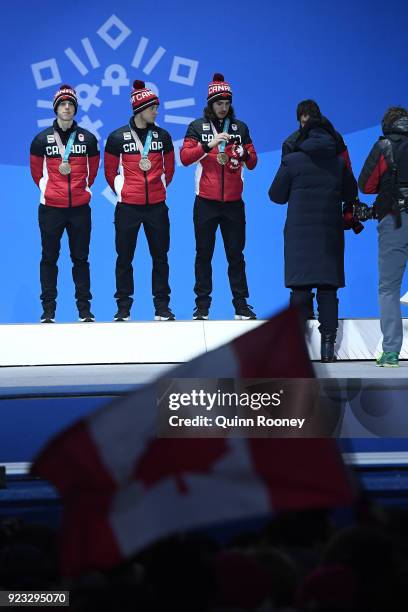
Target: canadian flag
{"points": [[123, 488]]}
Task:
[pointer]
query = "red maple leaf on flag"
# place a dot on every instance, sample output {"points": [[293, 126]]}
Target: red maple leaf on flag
{"points": [[173, 458]]}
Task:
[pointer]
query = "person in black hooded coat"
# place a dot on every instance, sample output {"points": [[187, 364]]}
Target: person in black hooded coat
{"points": [[315, 181], [309, 109]]}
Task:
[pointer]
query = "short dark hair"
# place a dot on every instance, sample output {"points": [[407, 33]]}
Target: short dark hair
{"points": [[211, 116], [393, 114], [308, 107]]}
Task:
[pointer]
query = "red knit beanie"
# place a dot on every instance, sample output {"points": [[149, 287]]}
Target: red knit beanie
{"points": [[219, 89], [141, 98]]}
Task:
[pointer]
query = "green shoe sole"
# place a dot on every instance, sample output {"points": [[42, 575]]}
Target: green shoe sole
{"points": [[387, 365]]}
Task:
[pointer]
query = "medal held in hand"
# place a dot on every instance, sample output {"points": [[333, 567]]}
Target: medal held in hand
{"points": [[145, 164], [65, 167], [222, 157]]}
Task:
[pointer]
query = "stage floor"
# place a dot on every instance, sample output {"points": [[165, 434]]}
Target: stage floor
{"points": [[152, 342]]}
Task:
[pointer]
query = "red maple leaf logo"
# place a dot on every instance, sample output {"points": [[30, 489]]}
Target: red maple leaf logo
{"points": [[174, 458]]}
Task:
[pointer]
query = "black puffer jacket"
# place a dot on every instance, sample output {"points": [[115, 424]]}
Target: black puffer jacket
{"points": [[314, 181], [375, 177]]}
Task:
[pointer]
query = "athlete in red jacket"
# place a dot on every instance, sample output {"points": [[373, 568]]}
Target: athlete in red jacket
{"points": [[64, 160], [221, 147], [139, 164]]}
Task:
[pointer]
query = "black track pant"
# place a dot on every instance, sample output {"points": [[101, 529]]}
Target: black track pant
{"points": [[155, 221], [230, 218], [77, 223]]}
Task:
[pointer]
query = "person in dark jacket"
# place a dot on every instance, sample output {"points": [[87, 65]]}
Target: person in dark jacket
{"points": [[385, 172], [310, 109], [315, 181]]}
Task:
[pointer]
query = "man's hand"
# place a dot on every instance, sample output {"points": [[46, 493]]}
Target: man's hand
{"points": [[221, 137]]}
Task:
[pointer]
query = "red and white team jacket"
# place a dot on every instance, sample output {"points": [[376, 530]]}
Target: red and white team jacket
{"points": [[64, 191], [131, 184], [213, 181]]}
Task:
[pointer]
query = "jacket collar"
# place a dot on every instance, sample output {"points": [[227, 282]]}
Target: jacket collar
{"points": [[57, 128], [134, 126]]}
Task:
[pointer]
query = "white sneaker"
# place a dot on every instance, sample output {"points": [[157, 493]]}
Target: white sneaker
{"points": [[404, 299]]}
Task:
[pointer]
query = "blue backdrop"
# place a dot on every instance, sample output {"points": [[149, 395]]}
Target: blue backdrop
{"points": [[350, 57]]}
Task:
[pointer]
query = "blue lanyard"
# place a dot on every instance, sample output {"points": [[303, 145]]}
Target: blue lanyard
{"points": [[68, 148], [225, 128], [147, 143]]}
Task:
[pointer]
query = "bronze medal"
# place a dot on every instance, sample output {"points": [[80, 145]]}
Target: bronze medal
{"points": [[64, 168], [222, 158], [145, 164]]}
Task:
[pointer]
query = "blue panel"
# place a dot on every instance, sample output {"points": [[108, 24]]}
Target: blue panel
{"points": [[273, 54], [27, 424], [377, 445]]}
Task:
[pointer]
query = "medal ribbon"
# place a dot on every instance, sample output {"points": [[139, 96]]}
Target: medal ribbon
{"points": [[65, 151], [225, 128], [143, 150]]}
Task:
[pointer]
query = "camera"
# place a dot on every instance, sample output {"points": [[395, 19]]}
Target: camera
{"points": [[363, 212]]}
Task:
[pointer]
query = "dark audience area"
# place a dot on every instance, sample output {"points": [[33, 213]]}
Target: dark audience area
{"points": [[303, 561]]}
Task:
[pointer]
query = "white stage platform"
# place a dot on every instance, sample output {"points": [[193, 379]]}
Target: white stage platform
{"points": [[154, 342]]}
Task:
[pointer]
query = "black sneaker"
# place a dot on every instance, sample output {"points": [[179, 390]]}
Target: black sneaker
{"points": [[48, 316], [200, 314], [86, 316], [244, 313], [164, 314], [123, 314]]}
